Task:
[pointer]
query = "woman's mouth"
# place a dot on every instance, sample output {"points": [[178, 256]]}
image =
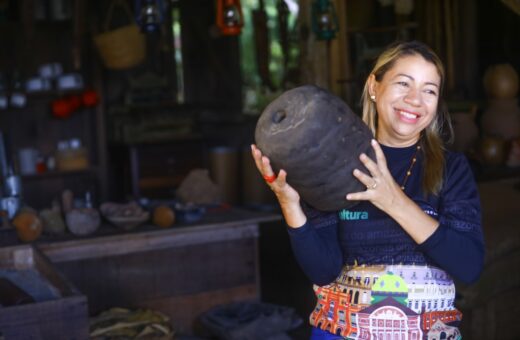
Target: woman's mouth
{"points": [[407, 116]]}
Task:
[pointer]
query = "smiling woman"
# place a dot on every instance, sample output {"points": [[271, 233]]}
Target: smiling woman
{"points": [[417, 224]]}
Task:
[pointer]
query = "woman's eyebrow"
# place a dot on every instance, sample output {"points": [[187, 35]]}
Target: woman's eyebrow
{"points": [[412, 78]]}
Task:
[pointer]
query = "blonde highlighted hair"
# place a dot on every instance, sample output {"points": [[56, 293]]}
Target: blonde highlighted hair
{"points": [[431, 139]]}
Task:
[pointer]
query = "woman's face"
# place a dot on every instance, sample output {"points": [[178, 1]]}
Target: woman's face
{"points": [[406, 100]]}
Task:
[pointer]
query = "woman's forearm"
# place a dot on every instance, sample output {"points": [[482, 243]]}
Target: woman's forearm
{"points": [[293, 214], [419, 225]]}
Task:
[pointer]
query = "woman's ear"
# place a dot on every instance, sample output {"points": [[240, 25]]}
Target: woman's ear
{"points": [[372, 85]]}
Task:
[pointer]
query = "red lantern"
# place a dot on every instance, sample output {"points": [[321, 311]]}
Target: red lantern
{"points": [[74, 102], [89, 98], [229, 17], [61, 108]]}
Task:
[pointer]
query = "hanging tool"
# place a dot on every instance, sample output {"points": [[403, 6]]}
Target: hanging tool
{"points": [[283, 30], [261, 35]]}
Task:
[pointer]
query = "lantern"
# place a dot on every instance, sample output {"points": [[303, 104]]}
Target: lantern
{"points": [[324, 20], [229, 17], [150, 14]]}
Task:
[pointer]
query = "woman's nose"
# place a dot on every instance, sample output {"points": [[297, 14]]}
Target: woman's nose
{"points": [[413, 97]]}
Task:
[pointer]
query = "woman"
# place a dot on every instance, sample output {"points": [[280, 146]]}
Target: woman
{"points": [[384, 269]]}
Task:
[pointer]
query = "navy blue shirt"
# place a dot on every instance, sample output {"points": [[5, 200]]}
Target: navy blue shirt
{"points": [[364, 234]]}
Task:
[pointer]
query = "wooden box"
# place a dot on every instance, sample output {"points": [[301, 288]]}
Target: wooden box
{"points": [[59, 311]]}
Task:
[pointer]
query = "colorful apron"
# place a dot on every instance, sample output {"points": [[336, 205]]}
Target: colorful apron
{"points": [[388, 302]]}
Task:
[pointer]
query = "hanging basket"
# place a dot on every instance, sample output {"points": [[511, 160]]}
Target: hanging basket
{"points": [[123, 47]]}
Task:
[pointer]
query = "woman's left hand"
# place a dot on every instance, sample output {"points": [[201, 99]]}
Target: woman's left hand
{"points": [[382, 190]]}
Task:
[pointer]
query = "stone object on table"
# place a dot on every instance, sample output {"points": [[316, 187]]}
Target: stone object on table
{"points": [[53, 222], [124, 215], [83, 221], [163, 216], [198, 188], [28, 225]]}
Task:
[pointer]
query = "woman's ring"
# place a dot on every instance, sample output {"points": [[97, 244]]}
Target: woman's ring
{"points": [[373, 186], [270, 179]]}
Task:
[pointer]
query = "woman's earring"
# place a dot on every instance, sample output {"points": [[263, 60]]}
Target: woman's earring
{"points": [[373, 98]]}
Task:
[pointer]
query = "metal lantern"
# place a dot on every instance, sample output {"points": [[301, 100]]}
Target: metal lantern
{"points": [[150, 14], [324, 20], [229, 17]]}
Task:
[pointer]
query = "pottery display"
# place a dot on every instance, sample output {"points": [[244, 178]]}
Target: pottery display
{"points": [[501, 81], [124, 215], [501, 118], [317, 139], [493, 150], [82, 221]]}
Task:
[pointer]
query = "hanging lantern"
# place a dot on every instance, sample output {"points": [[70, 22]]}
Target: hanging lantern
{"points": [[229, 17], [324, 20], [150, 14]]}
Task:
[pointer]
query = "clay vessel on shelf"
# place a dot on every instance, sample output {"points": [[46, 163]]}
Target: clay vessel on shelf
{"points": [[502, 118], [501, 81], [493, 150]]}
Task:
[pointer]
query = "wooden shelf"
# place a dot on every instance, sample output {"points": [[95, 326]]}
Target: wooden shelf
{"points": [[379, 29], [55, 174]]}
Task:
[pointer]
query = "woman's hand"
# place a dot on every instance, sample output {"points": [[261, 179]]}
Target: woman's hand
{"points": [[385, 193], [283, 191], [288, 198], [382, 190]]}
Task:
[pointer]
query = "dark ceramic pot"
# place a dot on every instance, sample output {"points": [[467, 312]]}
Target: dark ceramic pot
{"points": [[314, 136]]}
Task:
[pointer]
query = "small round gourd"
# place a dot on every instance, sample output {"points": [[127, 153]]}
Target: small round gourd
{"points": [[314, 136]]}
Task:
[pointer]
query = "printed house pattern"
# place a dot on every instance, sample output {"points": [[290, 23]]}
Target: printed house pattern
{"points": [[397, 302]]}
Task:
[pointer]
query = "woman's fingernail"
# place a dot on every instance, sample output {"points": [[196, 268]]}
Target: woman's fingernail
{"points": [[374, 142], [349, 196]]}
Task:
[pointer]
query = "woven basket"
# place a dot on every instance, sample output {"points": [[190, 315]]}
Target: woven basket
{"points": [[123, 47]]}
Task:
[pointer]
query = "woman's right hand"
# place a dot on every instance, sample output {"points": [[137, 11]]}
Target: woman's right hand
{"points": [[285, 193], [288, 198]]}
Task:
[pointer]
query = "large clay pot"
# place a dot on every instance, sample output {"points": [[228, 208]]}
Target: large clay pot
{"points": [[493, 150], [502, 119], [501, 81], [314, 136]]}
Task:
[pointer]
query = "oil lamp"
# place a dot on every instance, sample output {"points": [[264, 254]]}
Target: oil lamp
{"points": [[229, 17], [150, 14], [324, 20]]}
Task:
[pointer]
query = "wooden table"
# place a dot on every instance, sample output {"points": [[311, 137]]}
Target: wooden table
{"points": [[181, 271]]}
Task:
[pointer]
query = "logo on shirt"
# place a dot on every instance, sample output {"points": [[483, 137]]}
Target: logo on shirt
{"points": [[347, 215]]}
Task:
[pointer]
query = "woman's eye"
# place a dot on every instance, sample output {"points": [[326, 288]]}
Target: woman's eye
{"points": [[432, 92]]}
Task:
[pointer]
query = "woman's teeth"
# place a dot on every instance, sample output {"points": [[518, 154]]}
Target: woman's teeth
{"points": [[408, 115]]}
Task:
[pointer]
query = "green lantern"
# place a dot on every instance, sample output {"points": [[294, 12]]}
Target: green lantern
{"points": [[324, 20]]}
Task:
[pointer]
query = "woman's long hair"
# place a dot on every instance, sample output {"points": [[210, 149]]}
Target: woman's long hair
{"points": [[431, 139]]}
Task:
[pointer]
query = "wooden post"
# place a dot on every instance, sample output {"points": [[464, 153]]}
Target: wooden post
{"points": [[339, 56]]}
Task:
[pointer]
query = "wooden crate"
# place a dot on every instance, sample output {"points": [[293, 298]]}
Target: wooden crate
{"points": [[59, 310]]}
